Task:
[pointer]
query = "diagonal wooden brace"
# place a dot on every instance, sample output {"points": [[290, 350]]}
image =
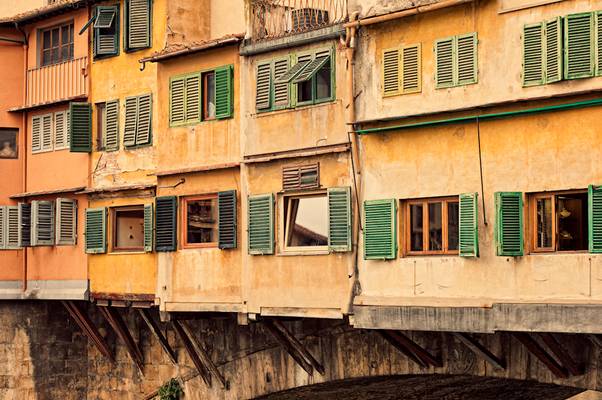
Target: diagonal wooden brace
{"points": [[156, 331], [88, 327], [393, 339], [205, 358], [121, 329], [190, 349], [561, 354], [479, 350], [539, 352], [421, 353]]}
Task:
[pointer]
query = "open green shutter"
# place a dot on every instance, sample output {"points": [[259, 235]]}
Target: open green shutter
{"points": [[166, 233], [138, 24], [223, 92], [177, 101], [466, 58], [579, 45], [193, 98], [444, 63], [411, 64], [595, 218], [553, 58], [533, 47], [339, 219], [80, 125], [111, 140], [469, 225], [380, 229], [24, 225], [106, 31], [148, 228], [96, 220], [226, 204], [509, 224], [261, 224], [263, 86], [321, 59]]}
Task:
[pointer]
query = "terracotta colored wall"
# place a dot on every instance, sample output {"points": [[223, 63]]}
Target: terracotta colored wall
{"points": [[10, 8]]}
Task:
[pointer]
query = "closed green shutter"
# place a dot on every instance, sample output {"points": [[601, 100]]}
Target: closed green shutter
{"points": [[223, 92], [138, 24], [192, 103], [444, 63], [598, 35], [80, 125], [177, 101], [261, 224], [226, 204], [111, 140], [533, 46], [3, 227], [24, 225], [143, 125], [43, 223], [595, 218], [263, 86], [391, 70], [579, 45], [66, 222], [12, 227], [466, 48], [96, 238], [148, 228], [36, 134], [281, 84], [131, 112], [553, 50], [411, 81], [509, 224], [339, 219], [380, 229], [469, 225], [166, 226], [106, 31]]}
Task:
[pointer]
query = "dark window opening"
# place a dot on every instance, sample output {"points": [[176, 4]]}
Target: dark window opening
{"points": [[8, 143], [209, 95], [201, 217], [128, 229]]}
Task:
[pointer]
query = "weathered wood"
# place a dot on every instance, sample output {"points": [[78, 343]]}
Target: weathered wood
{"points": [[190, 349], [595, 339], [299, 346], [88, 327], [479, 350], [156, 331], [205, 358], [121, 329], [419, 351], [561, 354], [534, 348], [286, 345], [393, 339]]}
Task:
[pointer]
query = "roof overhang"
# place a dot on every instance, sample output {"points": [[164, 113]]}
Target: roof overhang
{"points": [[192, 48]]}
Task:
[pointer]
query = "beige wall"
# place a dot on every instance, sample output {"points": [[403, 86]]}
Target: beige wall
{"points": [[10, 8]]}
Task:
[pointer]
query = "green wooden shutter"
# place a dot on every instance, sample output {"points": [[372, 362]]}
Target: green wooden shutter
{"points": [[263, 86], [598, 37], [595, 218], [12, 227], [106, 31], [466, 46], [148, 228], [2, 227], [444, 62], [131, 113], [281, 85], [553, 59], [411, 81], [380, 229], [80, 125], [223, 92], [261, 224], [579, 46], [166, 226], [509, 224], [177, 101], [144, 120], [138, 24], [192, 104], [533, 47], [66, 222], [321, 58], [469, 225], [96, 228], [43, 223], [36, 134], [391, 72], [24, 225], [339, 219], [226, 204], [111, 139]]}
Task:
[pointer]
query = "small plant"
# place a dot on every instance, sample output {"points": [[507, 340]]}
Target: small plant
{"points": [[171, 390]]}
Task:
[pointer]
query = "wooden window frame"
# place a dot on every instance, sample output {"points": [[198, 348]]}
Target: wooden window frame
{"points": [[284, 226], [60, 46], [114, 211], [532, 224], [184, 217], [425, 221]]}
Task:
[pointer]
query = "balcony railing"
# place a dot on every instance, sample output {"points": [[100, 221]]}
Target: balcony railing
{"points": [[57, 82], [272, 19]]}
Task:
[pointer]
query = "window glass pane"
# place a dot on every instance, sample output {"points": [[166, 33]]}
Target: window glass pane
{"points": [[453, 216], [8, 143], [416, 231], [544, 223], [323, 82], [55, 37], [571, 211], [304, 91], [46, 40], [46, 57], [435, 227], [129, 230], [209, 95], [201, 221], [307, 223], [65, 35], [54, 55], [65, 55]]}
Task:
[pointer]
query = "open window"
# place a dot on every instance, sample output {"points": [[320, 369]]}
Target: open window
{"points": [[128, 229], [208, 95], [432, 226], [306, 222], [200, 221]]}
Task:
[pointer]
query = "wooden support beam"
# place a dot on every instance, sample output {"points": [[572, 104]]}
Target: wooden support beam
{"points": [[156, 331], [539, 352], [392, 338], [595, 339], [479, 350], [88, 327], [561, 354], [189, 347], [286, 345], [121, 329], [420, 352], [299, 346]]}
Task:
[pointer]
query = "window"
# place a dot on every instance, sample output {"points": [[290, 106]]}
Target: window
{"points": [[107, 126], [432, 226], [200, 219], [314, 82], [106, 31], [66, 222], [559, 221], [542, 53], [137, 24], [53, 131], [138, 121], [401, 70], [306, 221], [8, 143], [57, 44], [208, 95], [456, 61], [42, 220], [128, 229]]}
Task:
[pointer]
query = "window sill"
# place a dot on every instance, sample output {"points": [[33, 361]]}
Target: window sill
{"points": [[289, 253], [266, 113], [121, 253], [568, 252], [430, 255]]}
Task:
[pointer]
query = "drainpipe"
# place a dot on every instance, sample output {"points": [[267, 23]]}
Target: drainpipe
{"points": [[24, 138]]}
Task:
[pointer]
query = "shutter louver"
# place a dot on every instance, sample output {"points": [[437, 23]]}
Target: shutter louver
{"points": [[595, 218], [579, 51], [339, 219], [47, 132], [96, 220], [43, 223], [66, 222], [143, 123], [380, 229], [533, 55], [105, 18], [12, 227], [313, 67], [281, 86], [509, 224], [3, 227], [444, 59], [469, 225], [411, 81], [192, 102], [24, 225], [148, 228], [131, 112], [227, 220], [177, 100], [112, 126], [36, 134], [467, 59], [261, 224], [391, 76], [106, 32], [138, 24], [60, 130], [598, 34], [223, 92], [301, 177], [554, 50], [81, 127], [262, 87], [166, 224]]}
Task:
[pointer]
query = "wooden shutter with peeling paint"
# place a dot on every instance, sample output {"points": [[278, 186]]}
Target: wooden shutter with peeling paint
{"points": [[261, 224], [138, 24], [96, 221], [166, 211], [46, 133], [301, 177], [444, 62], [469, 225], [66, 222], [509, 224], [80, 126], [192, 98], [36, 134], [42, 213], [281, 82], [339, 219], [391, 72], [263, 86], [533, 54], [106, 31], [579, 45], [466, 50], [138, 121], [411, 80], [177, 101], [3, 227], [148, 228], [111, 140], [12, 227], [227, 221], [131, 113], [223, 92], [380, 229], [553, 60], [24, 225]]}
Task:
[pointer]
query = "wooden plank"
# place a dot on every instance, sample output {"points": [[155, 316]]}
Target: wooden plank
{"points": [[561, 354], [88, 327], [286, 345], [535, 349], [189, 347], [156, 331], [299, 346], [392, 338], [205, 359], [595, 339], [479, 350], [121, 329], [419, 351]]}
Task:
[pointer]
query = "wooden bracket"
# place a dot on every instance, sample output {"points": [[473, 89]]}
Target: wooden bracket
{"points": [[539, 352], [88, 327], [119, 326], [392, 337], [479, 350], [595, 339], [204, 356], [424, 356], [156, 331], [293, 346], [561, 354]]}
